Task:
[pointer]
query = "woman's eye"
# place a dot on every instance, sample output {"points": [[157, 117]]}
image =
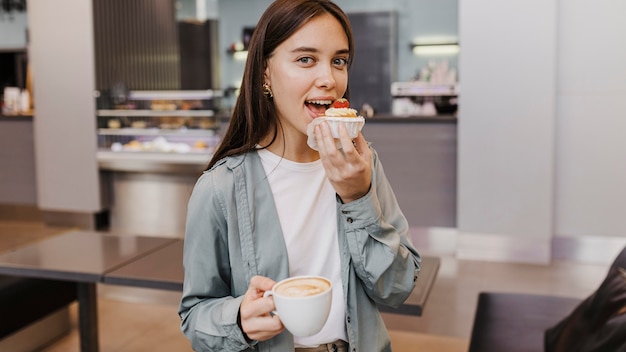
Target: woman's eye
{"points": [[340, 62], [306, 60]]}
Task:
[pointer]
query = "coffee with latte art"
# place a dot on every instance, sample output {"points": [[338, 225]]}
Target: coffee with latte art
{"points": [[302, 287], [302, 303]]}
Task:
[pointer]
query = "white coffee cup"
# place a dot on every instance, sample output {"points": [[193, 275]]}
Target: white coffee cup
{"points": [[302, 303]]}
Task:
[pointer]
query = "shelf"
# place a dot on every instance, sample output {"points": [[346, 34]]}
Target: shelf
{"points": [[155, 132], [171, 158], [152, 162], [240, 55], [417, 89], [434, 49], [174, 94], [156, 113]]}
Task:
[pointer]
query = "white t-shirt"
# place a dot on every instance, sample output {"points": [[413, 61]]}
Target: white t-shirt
{"points": [[306, 205]]}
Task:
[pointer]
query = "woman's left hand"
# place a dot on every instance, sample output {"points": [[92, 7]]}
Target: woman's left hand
{"points": [[349, 168]]}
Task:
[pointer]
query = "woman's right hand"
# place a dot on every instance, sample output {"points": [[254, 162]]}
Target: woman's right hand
{"points": [[256, 321]]}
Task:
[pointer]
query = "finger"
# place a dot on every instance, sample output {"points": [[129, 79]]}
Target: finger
{"points": [[264, 328], [259, 306], [317, 134], [256, 322], [253, 303], [327, 140], [346, 141], [261, 284], [361, 144]]}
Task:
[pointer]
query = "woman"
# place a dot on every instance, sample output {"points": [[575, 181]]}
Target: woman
{"points": [[270, 207]]}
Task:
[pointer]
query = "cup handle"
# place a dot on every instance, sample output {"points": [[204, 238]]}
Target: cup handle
{"points": [[267, 294]]}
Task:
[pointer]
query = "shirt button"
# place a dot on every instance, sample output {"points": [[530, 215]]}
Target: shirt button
{"points": [[350, 220], [348, 319]]}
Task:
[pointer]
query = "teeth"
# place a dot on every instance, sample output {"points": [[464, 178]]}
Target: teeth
{"points": [[320, 102]]}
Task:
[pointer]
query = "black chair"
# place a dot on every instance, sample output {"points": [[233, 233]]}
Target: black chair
{"points": [[515, 322], [23, 301]]}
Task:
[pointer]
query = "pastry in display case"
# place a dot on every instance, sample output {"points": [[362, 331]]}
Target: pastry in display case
{"points": [[418, 98], [163, 126]]}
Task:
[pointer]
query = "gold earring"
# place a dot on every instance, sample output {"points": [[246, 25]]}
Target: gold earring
{"points": [[267, 90]]}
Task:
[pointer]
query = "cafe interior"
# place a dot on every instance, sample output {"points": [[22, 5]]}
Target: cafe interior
{"points": [[500, 126]]}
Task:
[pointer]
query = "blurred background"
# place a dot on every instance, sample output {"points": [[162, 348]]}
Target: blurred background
{"points": [[500, 124]]}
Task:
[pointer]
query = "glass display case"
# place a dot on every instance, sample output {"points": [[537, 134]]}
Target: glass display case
{"points": [[152, 130], [418, 98]]}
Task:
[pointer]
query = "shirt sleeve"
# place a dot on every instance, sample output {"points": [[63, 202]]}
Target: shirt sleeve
{"points": [[377, 235], [208, 310]]}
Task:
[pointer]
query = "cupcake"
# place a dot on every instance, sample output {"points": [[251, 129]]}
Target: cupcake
{"points": [[340, 113]]}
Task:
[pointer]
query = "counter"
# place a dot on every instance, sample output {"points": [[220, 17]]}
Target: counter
{"points": [[149, 191], [420, 160], [17, 157], [20, 117], [384, 118]]}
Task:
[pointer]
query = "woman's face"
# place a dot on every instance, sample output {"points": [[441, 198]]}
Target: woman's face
{"points": [[307, 72]]}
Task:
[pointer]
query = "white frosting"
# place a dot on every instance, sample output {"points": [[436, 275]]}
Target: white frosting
{"points": [[341, 112]]}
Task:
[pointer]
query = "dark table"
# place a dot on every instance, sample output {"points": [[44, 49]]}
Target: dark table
{"points": [[83, 257], [163, 269], [88, 258]]}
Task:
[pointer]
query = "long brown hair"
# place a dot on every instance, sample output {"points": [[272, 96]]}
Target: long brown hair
{"points": [[254, 115]]}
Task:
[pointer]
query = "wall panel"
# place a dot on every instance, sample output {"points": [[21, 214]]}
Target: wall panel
{"points": [[136, 42]]}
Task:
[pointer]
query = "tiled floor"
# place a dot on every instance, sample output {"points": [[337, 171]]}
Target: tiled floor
{"points": [[146, 320]]}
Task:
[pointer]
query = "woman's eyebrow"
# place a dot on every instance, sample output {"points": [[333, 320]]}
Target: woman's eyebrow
{"points": [[307, 49]]}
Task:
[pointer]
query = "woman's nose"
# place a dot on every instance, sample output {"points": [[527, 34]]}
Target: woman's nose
{"points": [[325, 78]]}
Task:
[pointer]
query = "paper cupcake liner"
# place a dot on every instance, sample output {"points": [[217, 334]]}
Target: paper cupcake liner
{"points": [[353, 126]]}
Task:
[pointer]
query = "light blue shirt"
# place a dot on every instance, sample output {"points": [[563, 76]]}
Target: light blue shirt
{"points": [[232, 225]]}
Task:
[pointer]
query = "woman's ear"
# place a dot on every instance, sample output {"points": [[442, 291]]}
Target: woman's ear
{"points": [[266, 75]]}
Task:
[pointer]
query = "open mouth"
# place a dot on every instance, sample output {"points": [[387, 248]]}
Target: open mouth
{"points": [[318, 106]]}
